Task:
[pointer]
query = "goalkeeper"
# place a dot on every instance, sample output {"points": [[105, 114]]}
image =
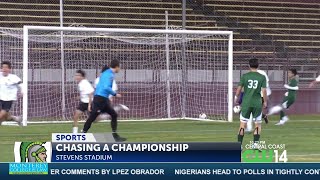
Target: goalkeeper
{"points": [[101, 102], [289, 98], [117, 107]]}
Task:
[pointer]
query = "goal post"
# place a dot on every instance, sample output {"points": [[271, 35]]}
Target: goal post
{"points": [[151, 77]]}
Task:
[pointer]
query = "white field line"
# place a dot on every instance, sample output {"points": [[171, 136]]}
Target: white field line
{"points": [[213, 131], [163, 121]]}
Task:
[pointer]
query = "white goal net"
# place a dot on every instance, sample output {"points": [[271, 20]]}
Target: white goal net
{"points": [[166, 74]]}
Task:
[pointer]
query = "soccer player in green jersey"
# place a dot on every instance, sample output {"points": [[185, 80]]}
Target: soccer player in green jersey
{"points": [[253, 84], [289, 98]]}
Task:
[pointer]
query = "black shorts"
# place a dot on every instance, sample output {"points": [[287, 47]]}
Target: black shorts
{"points": [[83, 106], [5, 105], [101, 105]]}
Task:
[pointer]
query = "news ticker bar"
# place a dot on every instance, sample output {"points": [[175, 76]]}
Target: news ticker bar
{"points": [[156, 171], [146, 152]]}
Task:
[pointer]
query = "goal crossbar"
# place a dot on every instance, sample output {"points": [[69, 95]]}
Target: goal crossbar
{"points": [[120, 30]]}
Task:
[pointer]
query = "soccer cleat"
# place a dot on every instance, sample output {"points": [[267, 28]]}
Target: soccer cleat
{"points": [[124, 107], [120, 107], [256, 147], [118, 138], [20, 123], [283, 120], [17, 119], [82, 131]]}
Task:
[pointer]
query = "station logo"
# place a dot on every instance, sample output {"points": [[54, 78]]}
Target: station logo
{"points": [[32, 151], [31, 158], [262, 152]]}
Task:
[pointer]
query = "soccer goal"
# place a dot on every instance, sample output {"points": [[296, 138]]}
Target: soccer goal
{"points": [[166, 74]]}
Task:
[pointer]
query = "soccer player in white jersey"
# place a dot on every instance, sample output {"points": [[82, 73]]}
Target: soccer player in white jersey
{"points": [[10, 88], [86, 94], [264, 116]]}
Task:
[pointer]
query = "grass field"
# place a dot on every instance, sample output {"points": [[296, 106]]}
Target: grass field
{"points": [[301, 134]]}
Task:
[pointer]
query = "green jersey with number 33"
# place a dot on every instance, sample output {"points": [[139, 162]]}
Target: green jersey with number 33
{"points": [[252, 82]]}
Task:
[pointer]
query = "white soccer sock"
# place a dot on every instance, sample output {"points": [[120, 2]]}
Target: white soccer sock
{"points": [[285, 118], [275, 109], [75, 130]]}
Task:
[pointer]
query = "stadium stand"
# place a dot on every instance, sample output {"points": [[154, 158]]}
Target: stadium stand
{"points": [[97, 13], [289, 30], [282, 33]]}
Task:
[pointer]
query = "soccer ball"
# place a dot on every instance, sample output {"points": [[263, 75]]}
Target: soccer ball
{"points": [[236, 109], [202, 116]]}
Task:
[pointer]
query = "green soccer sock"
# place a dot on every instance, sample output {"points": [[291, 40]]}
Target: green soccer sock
{"points": [[282, 114], [240, 138], [256, 137]]}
